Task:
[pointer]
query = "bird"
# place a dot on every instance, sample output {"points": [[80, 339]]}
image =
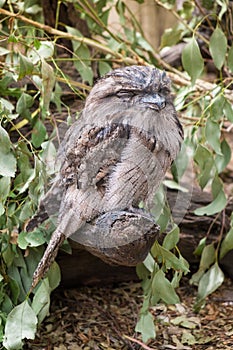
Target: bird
{"points": [[113, 159]]}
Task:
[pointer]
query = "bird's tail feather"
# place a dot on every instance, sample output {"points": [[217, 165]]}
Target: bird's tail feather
{"points": [[48, 257]]}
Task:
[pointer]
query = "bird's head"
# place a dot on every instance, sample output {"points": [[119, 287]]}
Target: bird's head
{"points": [[140, 86]]}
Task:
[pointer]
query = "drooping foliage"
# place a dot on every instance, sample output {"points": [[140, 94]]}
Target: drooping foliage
{"points": [[32, 84]]}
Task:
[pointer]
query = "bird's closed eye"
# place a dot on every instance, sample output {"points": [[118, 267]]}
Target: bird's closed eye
{"points": [[125, 93]]}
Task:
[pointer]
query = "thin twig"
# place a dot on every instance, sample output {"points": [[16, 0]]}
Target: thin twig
{"points": [[144, 346], [69, 36], [177, 77]]}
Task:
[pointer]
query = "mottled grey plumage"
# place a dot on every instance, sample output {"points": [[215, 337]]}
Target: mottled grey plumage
{"points": [[116, 154]]}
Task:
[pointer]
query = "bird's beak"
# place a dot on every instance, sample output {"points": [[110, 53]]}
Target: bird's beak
{"points": [[154, 101]]}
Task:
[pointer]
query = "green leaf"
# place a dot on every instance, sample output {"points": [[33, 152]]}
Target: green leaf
{"points": [[146, 326], [149, 263], [75, 32], [142, 272], [213, 133], [181, 162], [228, 110], [218, 47], [204, 158], [104, 68], [221, 160], [174, 186], [33, 10], [207, 259], [143, 43], [217, 107], [172, 238], [164, 288], [45, 50], [24, 103], [230, 59], [7, 159], [82, 63], [35, 238], [169, 259], [25, 66], [5, 183], [210, 281], [192, 60], [26, 212], [171, 36], [20, 324], [227, 244], [219, 201], [201, 245], [54, 276], [38, 134], [48, 155], [48, 81], [22, 242], [41, 300]]}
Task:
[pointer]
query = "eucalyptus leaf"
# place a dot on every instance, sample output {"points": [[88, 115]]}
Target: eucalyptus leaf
{"points": [[54, 276], [20, 324], [192, 60], [207, 259], [214, 207], [171, 36], [212, 133], [174, 185], [164, 288], [149, 263], [39, 134], [172, 238], [170, 260], [25, 66], [7, 158], [227, 244], [22, 242], [146, 326], [221, 160], [104, 68], [201, 245], [41, 300], [210, 281], [217, 108], [218, 47], [24, 103], [45, 49], [204, 158], [35, 238], [5, 183], [228, 110], [85, 71], [142, 272], [48, 81]]}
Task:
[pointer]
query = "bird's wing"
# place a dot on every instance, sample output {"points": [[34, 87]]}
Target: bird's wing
{"points": [[138, 174]]}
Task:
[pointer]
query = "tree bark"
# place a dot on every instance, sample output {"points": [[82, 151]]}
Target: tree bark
{"points": [[83, 268]]}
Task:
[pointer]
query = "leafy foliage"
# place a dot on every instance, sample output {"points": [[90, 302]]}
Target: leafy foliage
{"points": [[31, 83]]}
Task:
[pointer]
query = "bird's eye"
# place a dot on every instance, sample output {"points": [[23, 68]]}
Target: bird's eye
{"points": [[165, 91], [125, 94]]}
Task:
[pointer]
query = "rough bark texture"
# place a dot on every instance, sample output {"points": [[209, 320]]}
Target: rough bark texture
{"points": [[83, 268]]}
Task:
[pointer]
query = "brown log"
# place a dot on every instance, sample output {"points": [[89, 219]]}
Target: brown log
{"points": [[83, 268]]}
